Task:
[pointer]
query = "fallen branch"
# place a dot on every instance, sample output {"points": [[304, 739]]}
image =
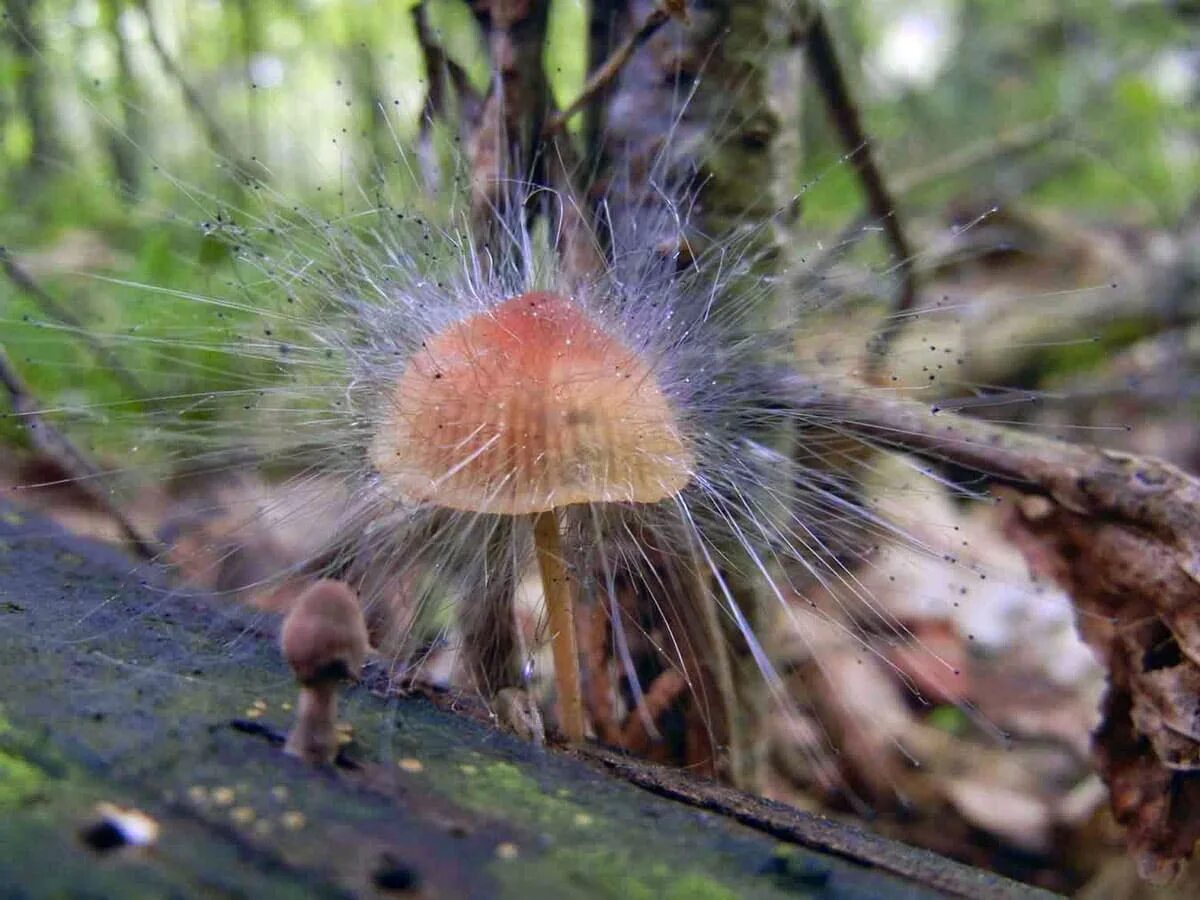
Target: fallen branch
{"points": [[138, 713], [1121, 534]]}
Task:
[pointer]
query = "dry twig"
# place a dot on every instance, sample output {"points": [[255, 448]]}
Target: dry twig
{"points": [[611, 67], [846, 120], [1013, 142], [26, 283], [57, 447]]}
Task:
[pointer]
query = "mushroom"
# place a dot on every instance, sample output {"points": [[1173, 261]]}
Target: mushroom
{"points": [[524, 409], [324, 640]]}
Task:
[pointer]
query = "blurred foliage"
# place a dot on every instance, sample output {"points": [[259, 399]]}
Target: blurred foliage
{"points": [[294, 88], [940, 75]]}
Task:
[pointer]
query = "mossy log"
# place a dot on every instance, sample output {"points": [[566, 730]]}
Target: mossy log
{"points": [[117, 689]]}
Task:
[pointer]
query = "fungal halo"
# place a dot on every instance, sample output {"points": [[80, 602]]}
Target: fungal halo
{"points": [[523, 409]]}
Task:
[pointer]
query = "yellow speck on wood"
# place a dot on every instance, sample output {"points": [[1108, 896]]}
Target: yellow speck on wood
{"points": [[223, 796], [243, 815]]}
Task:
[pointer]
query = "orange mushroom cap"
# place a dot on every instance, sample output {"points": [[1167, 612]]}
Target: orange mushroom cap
{"points": [[527, 407]]}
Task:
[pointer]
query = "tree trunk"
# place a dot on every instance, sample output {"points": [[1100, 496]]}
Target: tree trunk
{"points": [[705, 86]]}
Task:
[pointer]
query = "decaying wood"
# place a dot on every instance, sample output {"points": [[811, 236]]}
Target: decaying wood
{"points": [[173, 707], [1121, 534]]}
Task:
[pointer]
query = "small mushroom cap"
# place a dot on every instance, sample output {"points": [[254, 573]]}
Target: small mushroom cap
{"points": [[324, 637], [527, 407]]}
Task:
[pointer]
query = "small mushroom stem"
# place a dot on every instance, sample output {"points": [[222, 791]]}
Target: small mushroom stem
{"points": [[314, 736], [560, 606]]}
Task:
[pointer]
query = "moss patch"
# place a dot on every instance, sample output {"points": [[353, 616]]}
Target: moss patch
{"points": [[20, 781], [579, 851], [604, 873], [500, 787]]}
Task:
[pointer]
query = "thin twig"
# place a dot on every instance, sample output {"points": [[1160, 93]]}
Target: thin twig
{"points": [[49, 305], [438, 67], [1015, 141], [57, 447], [611, 67], [844, 114], [1010, 142]]}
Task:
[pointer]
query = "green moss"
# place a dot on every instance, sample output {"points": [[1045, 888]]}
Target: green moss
{"points": [[501, 787], [20, 781], [947, 718], [573, 864], [604, 872]]}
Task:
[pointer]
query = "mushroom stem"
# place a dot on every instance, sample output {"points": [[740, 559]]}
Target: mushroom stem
{"points": [[314, 736], [560, 605], [324, 640]]}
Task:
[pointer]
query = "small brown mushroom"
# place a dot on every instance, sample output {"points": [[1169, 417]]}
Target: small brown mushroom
{"points": [[324, 640], [525, 409]]}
